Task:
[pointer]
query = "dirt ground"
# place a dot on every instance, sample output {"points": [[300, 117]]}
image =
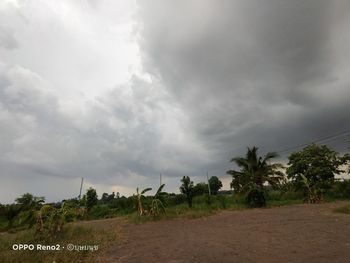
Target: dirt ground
{"points": [[299, 233]]}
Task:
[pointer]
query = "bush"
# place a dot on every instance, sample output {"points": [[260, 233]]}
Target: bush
{"points": [[123, 204], [255, 198], [340, 189], [101, 211]]}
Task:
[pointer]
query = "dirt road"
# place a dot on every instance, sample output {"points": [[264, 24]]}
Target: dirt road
{"points": [[300, 233]]}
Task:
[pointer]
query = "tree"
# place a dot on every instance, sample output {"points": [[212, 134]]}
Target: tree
{"points": [[255, 171], [91, 198], [28, 201], [104, 198], [215, 185], [314, 169], [111, 197], [28, 207], [200, 189], [187, 189]]}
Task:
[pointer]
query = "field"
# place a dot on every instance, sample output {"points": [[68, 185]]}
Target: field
{"points": [[295, 233], [291, 233]]}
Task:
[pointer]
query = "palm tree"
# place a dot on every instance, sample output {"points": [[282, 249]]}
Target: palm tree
{"points": [[139, 196], [255, 171]]}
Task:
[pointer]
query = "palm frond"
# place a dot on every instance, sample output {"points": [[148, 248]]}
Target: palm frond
{"points": [[146, 190], [160, 189]]}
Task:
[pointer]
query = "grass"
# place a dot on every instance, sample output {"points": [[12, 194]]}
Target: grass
{"points": [[200, 208], [72, 234], [344, 209], [282, 202], [3, 224]]}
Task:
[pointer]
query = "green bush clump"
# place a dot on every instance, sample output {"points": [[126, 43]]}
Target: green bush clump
{"points": [[101, 211], [255, 198], [340, 190]]}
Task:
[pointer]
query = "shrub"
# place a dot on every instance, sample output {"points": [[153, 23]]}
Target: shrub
{"points": [[49, 221], [101, 211], [255, 198], [340, 189]]}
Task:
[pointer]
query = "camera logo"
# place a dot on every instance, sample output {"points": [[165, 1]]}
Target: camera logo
{"points": [[23, 247]]}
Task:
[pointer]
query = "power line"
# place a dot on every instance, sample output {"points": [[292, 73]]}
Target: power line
{"points": [[326, 138]]}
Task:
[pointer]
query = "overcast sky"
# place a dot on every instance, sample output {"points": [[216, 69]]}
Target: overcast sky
{"points": [[120, 91]]}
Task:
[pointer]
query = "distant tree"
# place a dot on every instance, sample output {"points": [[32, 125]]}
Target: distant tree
{"points": [[215, 185], [28, 201], [187, 189], [255, 171], [200, 189], [111, 197], [314, 169], [91, 198], [104, 198]]}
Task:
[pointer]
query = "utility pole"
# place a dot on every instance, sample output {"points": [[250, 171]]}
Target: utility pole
{"points": [[160, 179], [208, 183], [81, 187]]}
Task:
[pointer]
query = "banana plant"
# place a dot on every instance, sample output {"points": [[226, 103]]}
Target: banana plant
{"points": [[50, 221], [139, 197], [312, 191], [158, 202]]}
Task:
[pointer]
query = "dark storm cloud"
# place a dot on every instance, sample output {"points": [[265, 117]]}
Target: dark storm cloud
{"points": [[123, 138], [216, 77], [266, 73]]}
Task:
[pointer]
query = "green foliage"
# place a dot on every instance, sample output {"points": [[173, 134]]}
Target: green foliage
{"points": [[107, 198], [255, 198], [339, 190], [187, 189], [215, 185], [175, 199], [158, 202], [49, 221], [28, 201], [123, 205], [91, 198], [139, 199], [200, 189], [255, 171], [313, 169], [10, 212], [102, 211], [72, 211]]}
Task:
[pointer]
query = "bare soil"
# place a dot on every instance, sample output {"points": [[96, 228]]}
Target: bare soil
{"points": [[298, 233]]}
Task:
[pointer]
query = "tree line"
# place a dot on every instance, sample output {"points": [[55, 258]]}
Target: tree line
{"points": [[309, 174]]}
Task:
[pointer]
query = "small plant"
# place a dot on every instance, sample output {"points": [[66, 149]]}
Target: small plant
{"points": [[314, 195], [139, 197]]}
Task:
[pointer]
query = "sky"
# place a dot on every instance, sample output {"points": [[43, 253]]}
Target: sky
{"points": [[120, 91]]}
